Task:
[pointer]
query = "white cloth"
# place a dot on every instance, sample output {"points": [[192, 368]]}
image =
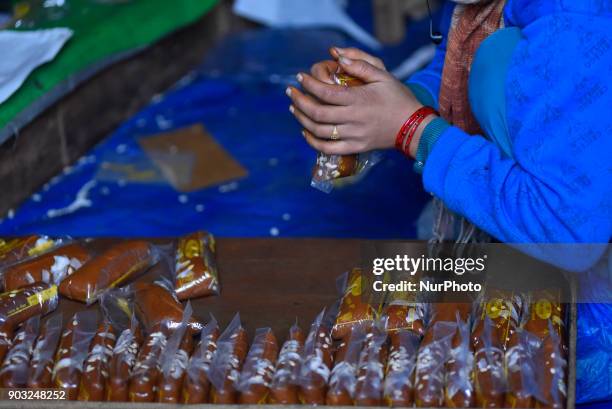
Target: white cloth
{"points": [[304, 13], [23, 51]]}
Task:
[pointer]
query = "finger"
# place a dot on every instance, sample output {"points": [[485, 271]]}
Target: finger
{"points": [[340, 147], [363, 70], [357, 54], [327, 114], [322, 131], [324, 71], [332, 94]]}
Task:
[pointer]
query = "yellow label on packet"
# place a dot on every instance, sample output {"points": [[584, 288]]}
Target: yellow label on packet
{"points": [[34, 299], [543, 309], [46, 245], [44, 295], [494, 308], [192, 248]]}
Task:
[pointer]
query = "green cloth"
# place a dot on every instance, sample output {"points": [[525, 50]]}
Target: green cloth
{"points": [[101, 30]]}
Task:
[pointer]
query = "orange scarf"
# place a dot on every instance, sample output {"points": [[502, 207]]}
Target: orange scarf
{"points": [[470, 25]]}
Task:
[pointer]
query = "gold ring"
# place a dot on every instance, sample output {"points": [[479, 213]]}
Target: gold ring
{"points": [[335, 136]]}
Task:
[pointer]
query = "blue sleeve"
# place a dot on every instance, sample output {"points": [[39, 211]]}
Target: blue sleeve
{"points": [[425, 83], [557, 188]]}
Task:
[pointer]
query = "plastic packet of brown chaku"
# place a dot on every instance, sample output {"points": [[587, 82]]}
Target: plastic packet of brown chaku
{"points": [[434, 352], [14, 369], [196, 273], [520, 365], [227, 363], [96, 366], [551, 371], [112, 268], [284, 388], [398, 389], [356, 304], [459, 391], [489, 374], [20, 249], [72, 351], [196, 386], [504, 309], [23, 303], [156, 306], [343, 378], [174, 360], [317, 360], [49, 267], [256, 375], [331, 169], [122, 361], [371, 371], [41, 365]]}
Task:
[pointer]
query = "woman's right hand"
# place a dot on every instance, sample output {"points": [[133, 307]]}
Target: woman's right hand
{"points": [[324, 70]]}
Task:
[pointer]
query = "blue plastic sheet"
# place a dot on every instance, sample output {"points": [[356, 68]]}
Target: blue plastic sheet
{"points": [[238, 95], [594, 338]]}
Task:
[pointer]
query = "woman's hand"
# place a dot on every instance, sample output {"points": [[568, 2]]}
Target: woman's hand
{"points": [[367, 117]]}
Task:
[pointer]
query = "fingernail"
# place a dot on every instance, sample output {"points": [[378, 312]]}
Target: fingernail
{"points": [[337, 50], [303, 133], [288, 91], [291, 109], [299, 77], [346, 61]]}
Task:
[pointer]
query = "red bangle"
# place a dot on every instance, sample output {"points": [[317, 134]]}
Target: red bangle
{"points": [[408, 130]]}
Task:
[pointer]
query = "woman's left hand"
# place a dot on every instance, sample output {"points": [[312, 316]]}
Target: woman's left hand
{"points": [[367, 117]]}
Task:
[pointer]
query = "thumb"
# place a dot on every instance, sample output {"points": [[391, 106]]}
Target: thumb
{"points": [[362, 70]]}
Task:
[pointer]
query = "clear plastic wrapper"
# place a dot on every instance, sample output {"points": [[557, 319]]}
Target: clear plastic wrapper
{"points": [[489, 374], [231, 352], [317, 361], [174, 361], [96, 368], [403, 314], [51, 267], [459, 391], [371, 371], [122, 361], [20, 249], [343, 378], [284, 388], [40, 370], [544, 306], [112, 268], [196, 273], [355, 307], [156, 306], [504, 309], [430, 372], [256, 376], [196, 386], [72, 351], [24, 303], [329, 169], [551, 371], [520, 365], [398, 389], [14, 370], [144, 375]]}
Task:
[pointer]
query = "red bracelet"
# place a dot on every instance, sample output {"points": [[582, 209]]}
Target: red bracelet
{"points": [[408, 130]]}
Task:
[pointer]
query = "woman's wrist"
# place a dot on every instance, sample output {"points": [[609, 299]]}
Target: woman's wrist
{"points": [[410, 133], [414, 143]]}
